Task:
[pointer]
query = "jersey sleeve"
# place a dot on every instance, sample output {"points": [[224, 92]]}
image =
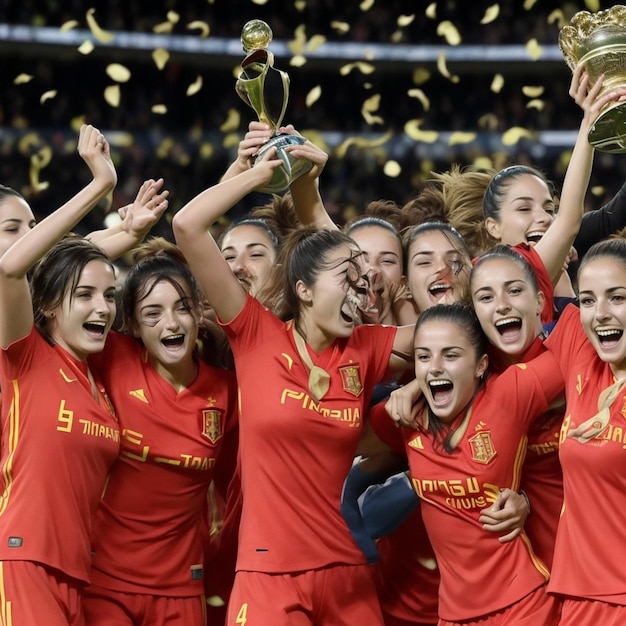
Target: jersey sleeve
{"points": [[567, 338], [385, 428]]}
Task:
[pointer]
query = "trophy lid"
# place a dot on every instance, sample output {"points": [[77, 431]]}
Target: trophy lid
{"points": [[256, 35], [590, 31]]}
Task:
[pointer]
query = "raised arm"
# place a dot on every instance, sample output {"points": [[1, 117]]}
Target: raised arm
{"points": [[137, 220], [258, 133], [16, 314], [191, 229], [305, 190], [555, 245]]}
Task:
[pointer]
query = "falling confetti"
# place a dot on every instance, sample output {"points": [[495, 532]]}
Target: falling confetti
{"points": [[491, 14], [443, 69], [369, 107], [341, 27], [514, 134], [313, 96], [112, 95], [536, 104], [38, 161], [392, 169], [297, 61], [86, 47], [366, 5], [420, 76], [315, 42], [194, 87], [460, 137], [412, 129], [557, 16], [405, 20], [232, 121], [20, 79], [203, 27], [164, 28], [69, 25], [159, 109], [533, 91], [259, 2], [160, 56], [592, 5], [421, 96], [534, 49], [118, 73], [431, 11], [101, 35], [47, 95], [497, 83], [173, 17], [298, 43], [449, 32], [364, 68], [528, 4], [361, 142]]}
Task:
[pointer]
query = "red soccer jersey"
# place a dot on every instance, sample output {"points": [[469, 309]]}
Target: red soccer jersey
{"points": [[480, 575], [295, 451], [57, 447], [147, 535], [589, 555], [542, 478]]}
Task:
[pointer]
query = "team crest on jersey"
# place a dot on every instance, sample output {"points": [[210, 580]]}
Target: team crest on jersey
{"points": [[482, 447], [351, 379], [212, 424]]}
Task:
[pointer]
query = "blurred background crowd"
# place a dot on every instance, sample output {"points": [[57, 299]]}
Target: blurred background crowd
{"points": [[392, 89]]}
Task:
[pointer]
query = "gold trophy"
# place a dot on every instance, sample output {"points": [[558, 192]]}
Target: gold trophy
{"points": [[597, 41], [266, 89]]}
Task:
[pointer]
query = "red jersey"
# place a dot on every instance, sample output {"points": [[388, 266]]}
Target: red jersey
{"points": [[455, 487], [147, 535], [542, 478], [58, 444], [295, 451], [589, 555]]}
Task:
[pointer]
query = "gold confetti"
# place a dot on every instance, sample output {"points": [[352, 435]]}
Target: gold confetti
{"points": [[397, 36], [159, 109], [195, 87], [298, 61], [300, 5], [298, 43], [232, 122], [364, 68], [392, 169], [313, 96], [164, 28], [431, 11], [448, 31], [370, 106], [160, 56], [443, 69], [534, 49], [100, 34], [528, 4], [231, 140], [533, 91], [461, 137], [488, 121], [536, 104], [118, 73], [592, 5], [77, 122], [206, 151], [366, 5], [497, 83], [483, 163], [121, 139], [164, 147], [20, 79], [341, 27], [557, 16], [203, 27], [421, 96], [412, 129], [315, 42], [405, 20], [597, 190], [86, 47], [259, 2], [360, 142], [421, 75], [514, 134], [68, 25], [112, 95], [491, 14], [173, 17], [38, 161], [47, 95]]}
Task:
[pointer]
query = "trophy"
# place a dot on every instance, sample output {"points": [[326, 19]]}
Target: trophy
{"points": [[597, 41], [266, 89]]}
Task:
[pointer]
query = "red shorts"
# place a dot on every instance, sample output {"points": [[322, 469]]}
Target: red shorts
{"points": [[104, 607], [33, 594], [578, 611], [341, 595], [535, 609]]}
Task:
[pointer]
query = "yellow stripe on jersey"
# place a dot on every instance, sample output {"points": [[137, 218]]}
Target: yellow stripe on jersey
{"points": [[538, 563], [6, 618], [519, 461], [14, 435]]}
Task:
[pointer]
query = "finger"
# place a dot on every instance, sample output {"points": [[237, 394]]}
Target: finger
{"points": [[510, 536]]}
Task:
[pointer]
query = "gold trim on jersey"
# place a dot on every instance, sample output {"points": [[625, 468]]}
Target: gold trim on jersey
{"points": [[14, 432], [6, 614]]}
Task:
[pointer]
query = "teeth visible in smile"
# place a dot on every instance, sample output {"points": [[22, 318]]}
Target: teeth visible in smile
{"points": [[438, 287], [608, 332], [535, 235], [438, 383], [508, 320]]}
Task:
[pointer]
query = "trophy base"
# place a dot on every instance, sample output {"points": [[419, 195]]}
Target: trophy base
{"points": [[291, 169], [608, 134]]}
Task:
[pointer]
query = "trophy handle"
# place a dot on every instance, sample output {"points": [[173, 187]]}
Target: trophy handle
{"points": [[259, 82]]}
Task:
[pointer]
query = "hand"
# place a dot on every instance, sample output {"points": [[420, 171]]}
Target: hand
{"points": [[506, 515], [404, 405], [258, 134], [151, 202], [590, 99], [264, 168], [309, 151], [94, 150]]}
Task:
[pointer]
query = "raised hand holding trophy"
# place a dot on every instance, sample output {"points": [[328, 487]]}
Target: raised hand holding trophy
{"points": [[266, 89], [597, 41]]}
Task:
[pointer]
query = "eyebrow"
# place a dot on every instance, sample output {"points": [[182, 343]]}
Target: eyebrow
{"points": [[248, 245], [507, 283], [611, 290]]}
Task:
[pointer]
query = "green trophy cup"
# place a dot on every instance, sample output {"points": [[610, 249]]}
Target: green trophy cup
{"points": [[597, 41], [266, 89]]}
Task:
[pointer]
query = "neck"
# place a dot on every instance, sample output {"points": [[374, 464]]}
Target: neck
{"points": [[178, 375]]}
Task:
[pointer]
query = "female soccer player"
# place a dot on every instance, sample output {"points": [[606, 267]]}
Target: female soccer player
{"points": [[59, 434], [304, 385], [175, 412], [590, 347], [460, 457]]}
